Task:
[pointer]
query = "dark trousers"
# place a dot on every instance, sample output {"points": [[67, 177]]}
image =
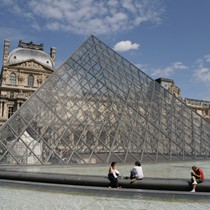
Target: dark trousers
{"points": [[132, 175], [113, 180]]}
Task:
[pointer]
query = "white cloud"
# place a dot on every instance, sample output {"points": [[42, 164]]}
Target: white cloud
{"points": [[207, 58], [80, 16], [168, 70], [141, 66], [178, 65], [202, 69], [125, 46], [202, 74]]}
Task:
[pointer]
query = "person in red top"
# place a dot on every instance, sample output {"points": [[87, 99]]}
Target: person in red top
{"points": [[197, 177]]}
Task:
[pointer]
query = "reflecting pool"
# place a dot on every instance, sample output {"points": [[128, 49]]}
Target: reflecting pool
{"points": [[12, 198]]}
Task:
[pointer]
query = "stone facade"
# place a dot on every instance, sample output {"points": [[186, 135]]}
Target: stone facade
{"points": [[200, 106], [23, 71], [169, 85]]}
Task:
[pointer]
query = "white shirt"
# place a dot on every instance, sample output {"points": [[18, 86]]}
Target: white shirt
{"points": [[138, 172], [114, 171]]}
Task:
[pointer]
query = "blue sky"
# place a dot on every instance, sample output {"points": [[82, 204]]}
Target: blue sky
{"points": [[165, 38]]}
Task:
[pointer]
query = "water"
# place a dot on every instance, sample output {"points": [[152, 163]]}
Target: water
{"points": [[13, 199], [166, 170], [25, 199]]}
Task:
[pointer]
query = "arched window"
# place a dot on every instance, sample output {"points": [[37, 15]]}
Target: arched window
{"points": [[13, 78], [30, 80]]}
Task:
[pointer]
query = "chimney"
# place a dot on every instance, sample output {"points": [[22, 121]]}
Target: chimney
{"points": [[52, 54], [6, 50]]}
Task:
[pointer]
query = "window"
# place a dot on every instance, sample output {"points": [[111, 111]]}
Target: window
{"points": [[102, 138], [112, 138], [12, 94], [13, 78], [206, 112], [77, 137], [2, 113], [30, 80], [10, 112], [89, 138]]}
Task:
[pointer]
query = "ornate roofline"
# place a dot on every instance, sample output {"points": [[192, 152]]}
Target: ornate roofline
{"points": [[31, 45]]}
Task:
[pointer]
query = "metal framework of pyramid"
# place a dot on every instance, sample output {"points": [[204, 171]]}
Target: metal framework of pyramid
{"points": [[97, 108]]}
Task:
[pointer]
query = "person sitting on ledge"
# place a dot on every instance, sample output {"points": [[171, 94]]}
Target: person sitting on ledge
{"points": [[137, 172], [197, 176], [113, 175]]}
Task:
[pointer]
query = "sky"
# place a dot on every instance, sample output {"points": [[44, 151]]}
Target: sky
{"points": [[164, 38]]}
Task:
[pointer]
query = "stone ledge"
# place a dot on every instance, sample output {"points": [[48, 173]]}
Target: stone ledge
{"points": [[102, 181]]}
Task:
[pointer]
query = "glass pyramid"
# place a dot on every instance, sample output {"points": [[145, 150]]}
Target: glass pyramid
{"points": [[97, 108]]}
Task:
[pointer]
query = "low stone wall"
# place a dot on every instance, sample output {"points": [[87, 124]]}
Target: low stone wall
{"points": [[102, 181]]}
